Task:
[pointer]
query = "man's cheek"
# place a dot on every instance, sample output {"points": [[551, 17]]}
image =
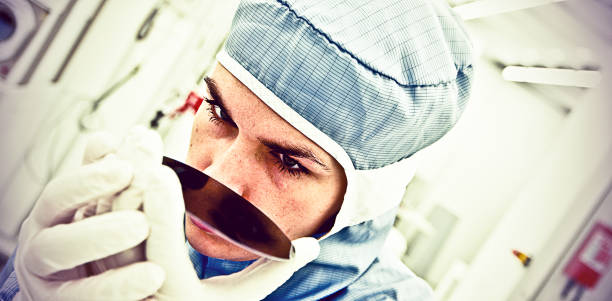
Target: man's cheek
{"points": [[292, 217], [199, 155]]}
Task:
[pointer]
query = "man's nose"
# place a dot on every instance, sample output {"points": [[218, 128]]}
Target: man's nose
{"points": [[232, 167]]}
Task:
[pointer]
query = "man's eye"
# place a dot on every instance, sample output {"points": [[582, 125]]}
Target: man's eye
{"points": [[218, 114], [290, 165], [289, 162]]}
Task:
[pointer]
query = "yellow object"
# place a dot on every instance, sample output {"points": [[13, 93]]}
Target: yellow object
{"points": [[525, 260]]}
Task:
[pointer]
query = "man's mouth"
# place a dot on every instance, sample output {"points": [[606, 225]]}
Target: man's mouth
{"points": [[200, 225]]}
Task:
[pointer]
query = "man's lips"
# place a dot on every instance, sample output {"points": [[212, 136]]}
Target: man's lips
{"points": [[200, 225]]}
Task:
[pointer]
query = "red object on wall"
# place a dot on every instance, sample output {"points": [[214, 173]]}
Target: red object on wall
{"points": [[193, 102], [592, 259]]}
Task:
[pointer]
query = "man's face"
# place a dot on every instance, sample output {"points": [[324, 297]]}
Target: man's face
{"points": [[240, 141]]}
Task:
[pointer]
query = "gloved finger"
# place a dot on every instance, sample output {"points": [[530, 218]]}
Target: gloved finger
{"points": [[164, 208], [66, 246], [126, 257], [305, 250], [142, 147], [133, 282], [131, 198], [99, 144], [263, 276], [84, 212], [104, 205], [66, 193]]}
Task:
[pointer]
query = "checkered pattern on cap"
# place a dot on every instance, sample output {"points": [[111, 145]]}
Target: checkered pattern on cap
{"points": [[382, 78]]}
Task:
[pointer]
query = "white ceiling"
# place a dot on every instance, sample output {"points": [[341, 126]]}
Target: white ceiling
{"points": [[574, 34]]}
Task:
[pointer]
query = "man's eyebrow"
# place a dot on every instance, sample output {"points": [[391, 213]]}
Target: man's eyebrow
{"points": [[292, 150], [284, 148], [215, 95]]}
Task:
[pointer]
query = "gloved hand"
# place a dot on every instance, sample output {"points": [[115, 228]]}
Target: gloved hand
{"points": [[164, 208], [142, 148], [51, 253], [160, 189]]}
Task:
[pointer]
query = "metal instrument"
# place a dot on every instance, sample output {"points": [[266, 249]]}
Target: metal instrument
{"points": [[226, 214]]}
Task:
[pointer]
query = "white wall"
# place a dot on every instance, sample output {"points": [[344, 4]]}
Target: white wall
{"points": [[479, 168], [557, 181], [548, 286]]}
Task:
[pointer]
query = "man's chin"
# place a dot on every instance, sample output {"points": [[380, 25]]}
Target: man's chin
{"points": [[211, 245]]}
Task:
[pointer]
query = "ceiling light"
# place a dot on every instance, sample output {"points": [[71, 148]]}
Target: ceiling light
{"points": [[552, 76], [484, 8]]}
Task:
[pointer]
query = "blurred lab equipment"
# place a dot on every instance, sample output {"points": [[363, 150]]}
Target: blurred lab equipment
{"points": [[21, 20], [71, 67], [590, 262]]}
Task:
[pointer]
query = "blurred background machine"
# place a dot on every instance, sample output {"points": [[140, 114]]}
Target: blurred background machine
{"points": [[70, 67], [527, 167]]}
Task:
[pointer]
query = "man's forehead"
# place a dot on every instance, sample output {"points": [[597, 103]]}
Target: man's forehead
{"points": [[272, 128]]}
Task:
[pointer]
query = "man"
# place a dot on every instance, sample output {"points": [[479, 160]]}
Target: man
{"points": [[312, 114]]}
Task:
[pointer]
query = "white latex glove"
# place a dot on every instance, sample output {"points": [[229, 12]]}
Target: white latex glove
{"points": [[51, 253], [142, 148], [164, 207]]}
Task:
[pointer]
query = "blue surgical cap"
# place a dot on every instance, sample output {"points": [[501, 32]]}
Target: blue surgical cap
{"points": [[383, 79]]}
